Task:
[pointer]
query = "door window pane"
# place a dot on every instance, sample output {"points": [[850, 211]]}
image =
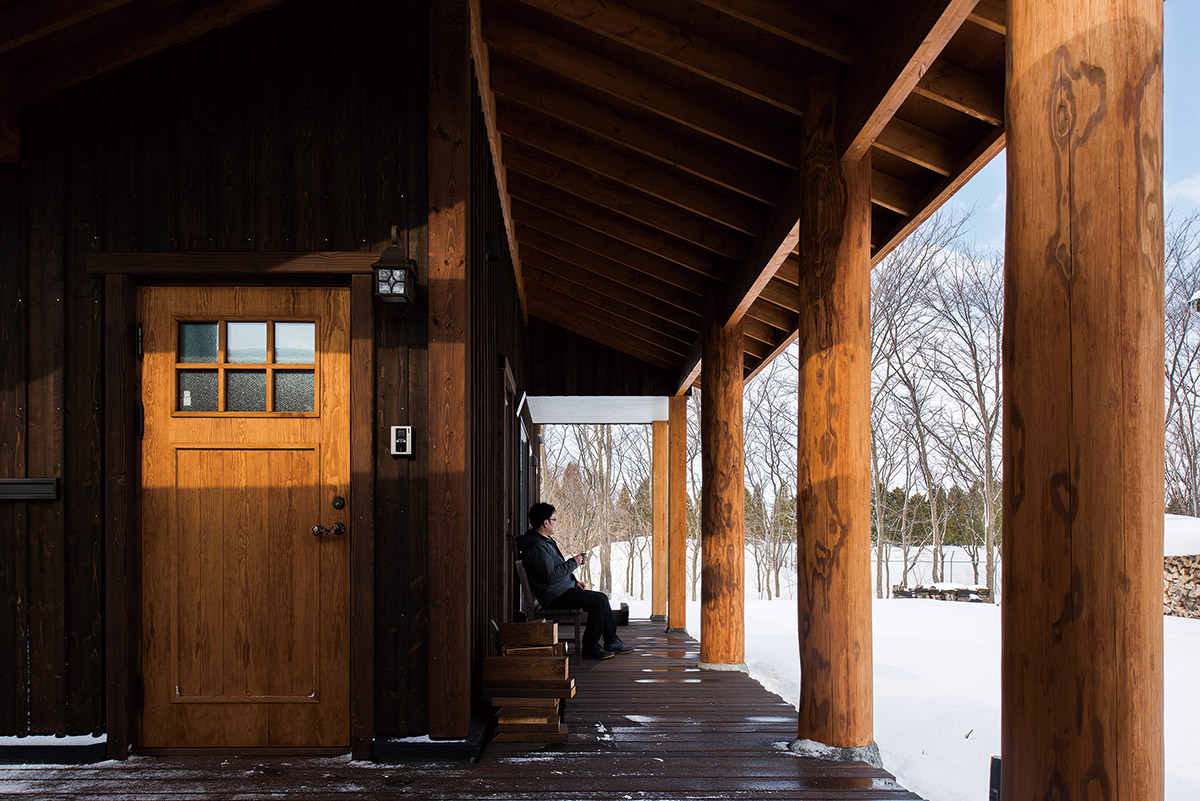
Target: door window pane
{"points": [[246, 390], [294, 391], [295, 343], [198, 343], [197, 391], [246, 343]]}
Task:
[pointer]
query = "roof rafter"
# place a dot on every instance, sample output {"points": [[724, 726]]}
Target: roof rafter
{"points": [[21, 23], [903, 42]]}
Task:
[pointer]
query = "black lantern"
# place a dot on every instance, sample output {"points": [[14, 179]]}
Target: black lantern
{"points": [[395, 280]]}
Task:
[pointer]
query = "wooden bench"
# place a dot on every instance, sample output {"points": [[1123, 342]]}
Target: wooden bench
{"points": [[535, 610]]}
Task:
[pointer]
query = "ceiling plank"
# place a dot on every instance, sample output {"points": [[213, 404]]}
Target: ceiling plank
{"points": [[616, 197], [634, 87], [963, 90], [598, 278], [802, 23], [921, 147], [679, 288], [479, 56], [21, 23], [903, 43], [601, 300], [664, 41], [576, 216], [982, 154], [143, 37], [689, 373], [615, 166], [611, 126]]}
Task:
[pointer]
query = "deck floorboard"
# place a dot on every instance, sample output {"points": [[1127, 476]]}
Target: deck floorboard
{"points": [[644, 725]]}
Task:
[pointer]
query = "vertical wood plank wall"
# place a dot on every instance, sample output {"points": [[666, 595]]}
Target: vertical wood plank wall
{"points": [[276, 134]]}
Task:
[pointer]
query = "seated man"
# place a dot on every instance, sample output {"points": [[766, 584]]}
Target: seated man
{"points": [[552, 578]]}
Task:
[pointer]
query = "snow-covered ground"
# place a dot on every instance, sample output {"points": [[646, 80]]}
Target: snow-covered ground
{"points": [[937, 682]]}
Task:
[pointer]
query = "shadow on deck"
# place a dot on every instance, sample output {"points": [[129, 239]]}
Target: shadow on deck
{"points": [[645, 725]]}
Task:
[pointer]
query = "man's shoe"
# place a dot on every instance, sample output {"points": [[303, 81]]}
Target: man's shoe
{"points": [[596, 652], [617, 647]]}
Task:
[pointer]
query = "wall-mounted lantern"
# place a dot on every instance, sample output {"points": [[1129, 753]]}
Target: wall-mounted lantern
{"points": [[395, 278]]}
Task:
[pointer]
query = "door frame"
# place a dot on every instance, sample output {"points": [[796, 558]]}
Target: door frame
{"points": [[123, 275]]}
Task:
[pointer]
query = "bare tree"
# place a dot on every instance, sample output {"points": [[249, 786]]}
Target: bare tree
{"points": [[968, 303], [1182, 278]]}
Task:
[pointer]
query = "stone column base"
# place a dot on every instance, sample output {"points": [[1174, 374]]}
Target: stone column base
{"points": [[738, 667], [658, 618], [860, 753]]}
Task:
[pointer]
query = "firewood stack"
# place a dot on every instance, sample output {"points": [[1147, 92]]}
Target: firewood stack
{"points": [[1181, 586], [528, 682]]}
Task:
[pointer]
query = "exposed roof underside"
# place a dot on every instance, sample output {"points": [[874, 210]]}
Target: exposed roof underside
{"points": [[647, 150]]}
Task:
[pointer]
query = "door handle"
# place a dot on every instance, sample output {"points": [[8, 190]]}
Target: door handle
{"points": [[338, 530]]}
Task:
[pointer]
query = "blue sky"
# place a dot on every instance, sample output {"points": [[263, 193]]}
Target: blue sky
{"points": [[1181, 132]]}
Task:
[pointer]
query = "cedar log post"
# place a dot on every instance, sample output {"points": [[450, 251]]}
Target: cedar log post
{"points": [[833, 511], [449, 329], [722, 507], [660, 490], [1082, 680], [677, 515]]}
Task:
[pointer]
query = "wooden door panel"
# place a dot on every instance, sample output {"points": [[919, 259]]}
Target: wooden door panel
{"points": [[245, 613]]}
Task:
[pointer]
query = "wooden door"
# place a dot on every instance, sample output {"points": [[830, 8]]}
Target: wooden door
{"points": [[245, 612]]}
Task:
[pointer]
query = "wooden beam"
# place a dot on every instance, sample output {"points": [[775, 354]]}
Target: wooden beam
{"points": [[145, 36], [677, 514], [991, 14], [833, 507], [449, 331], [963, 90], [648, 337], [630, 346], [722, 497], [482, 62], [675, 286], [921, 147], [610, 125], [598, 299], [232, 264], [660, 493], [1082, 617], [640, 90], [689, 371], [903, 42], [895, 194], [636, 244], [601, 282], [665, 42], [684, 194], [983, 153], [807, 25], [23, 22], [616, 197]]}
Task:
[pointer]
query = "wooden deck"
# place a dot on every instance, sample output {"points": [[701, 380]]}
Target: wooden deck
{"points": [[644, 725]]}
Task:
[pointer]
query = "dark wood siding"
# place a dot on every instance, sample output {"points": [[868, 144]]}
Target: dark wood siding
{"points": [[498, 343], [564, 363], [290, 131]]}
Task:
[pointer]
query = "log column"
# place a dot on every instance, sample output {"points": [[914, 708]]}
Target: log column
{"points": [[834, 427], [660, 490], [722, 507], [677, 515], [1082, 681], [449, 328]]}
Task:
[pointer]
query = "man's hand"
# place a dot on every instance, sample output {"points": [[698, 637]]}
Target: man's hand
{"points": [[581, 585], [579, 559]]}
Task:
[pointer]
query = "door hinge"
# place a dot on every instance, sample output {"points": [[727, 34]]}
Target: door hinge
{"points": [[139, 693], [141, 349], [141, 420]]}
